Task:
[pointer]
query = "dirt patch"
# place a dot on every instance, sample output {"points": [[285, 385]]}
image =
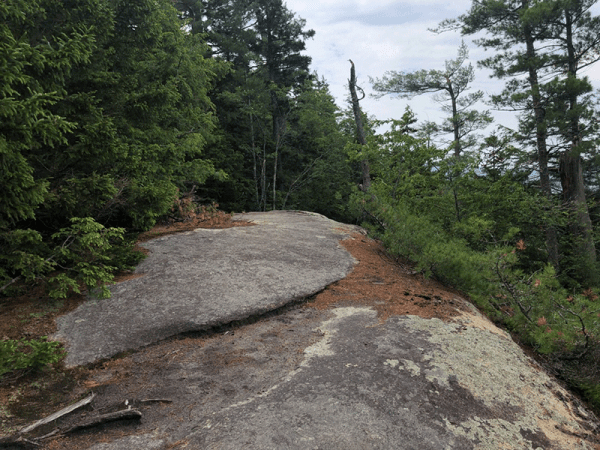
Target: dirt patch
{"points": [[217, 220], [388, 285]]}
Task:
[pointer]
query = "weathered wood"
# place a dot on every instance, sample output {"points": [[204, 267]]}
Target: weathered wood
{"points": [[156, 400], [58, 414], [362, 140], [124, 414]]}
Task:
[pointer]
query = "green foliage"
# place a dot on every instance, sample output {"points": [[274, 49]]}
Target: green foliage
{"points": [[28, 354], [85, 253], [31, 72], [112, 132], [105, 113], [493, 250], [532, 303], [258, 104], [316, 176], [427, 244], [413, 204], [542, 46]]}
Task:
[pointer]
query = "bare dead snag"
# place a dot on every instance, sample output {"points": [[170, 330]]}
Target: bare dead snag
{"points": [[362, 140]]}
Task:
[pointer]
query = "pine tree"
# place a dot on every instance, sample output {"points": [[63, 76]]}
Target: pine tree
{"points": [[450, 85], [32, 75], [577, 35], [263, 43], [105, 114]]}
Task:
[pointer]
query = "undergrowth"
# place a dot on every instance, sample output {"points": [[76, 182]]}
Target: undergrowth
{"points": [[32, 354]]}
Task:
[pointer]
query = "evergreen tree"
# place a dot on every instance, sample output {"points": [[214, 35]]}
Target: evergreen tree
{"points": [[105, 114], [263, 42], [515, 40], [227, 26], [281, 38], [316, 175], [143, 117], [545, 41], [576, 34], [450, 85], [32, 75]]}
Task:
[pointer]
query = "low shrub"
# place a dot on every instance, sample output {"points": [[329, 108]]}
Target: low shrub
{"points": [[28, 354]]}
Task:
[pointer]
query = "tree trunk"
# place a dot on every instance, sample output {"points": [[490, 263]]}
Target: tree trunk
{"points": [[263, 178], [571, 177], [580, 225], [360, 131], [455, 120], [457, 147], [279, 125], [541, 136], [253, 146]]}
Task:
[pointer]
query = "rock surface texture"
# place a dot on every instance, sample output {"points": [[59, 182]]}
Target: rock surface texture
{"points": [[348, 373], [199, 279]]}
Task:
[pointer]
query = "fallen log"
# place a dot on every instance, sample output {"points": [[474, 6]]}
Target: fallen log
{"points": [[17, 439], [124, 414], [58, 414]]}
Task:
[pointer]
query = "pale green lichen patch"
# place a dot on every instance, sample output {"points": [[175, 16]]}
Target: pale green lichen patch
{"points": [[404, 364], [411, 367], [505, 435], [498, 374], [329, 328]]}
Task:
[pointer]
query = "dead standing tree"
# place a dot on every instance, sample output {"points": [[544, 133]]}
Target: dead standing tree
{"points": [[362, 140]]}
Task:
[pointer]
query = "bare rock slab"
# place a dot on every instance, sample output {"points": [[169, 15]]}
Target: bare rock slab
{"points": [[203, 278], [407, 383]]}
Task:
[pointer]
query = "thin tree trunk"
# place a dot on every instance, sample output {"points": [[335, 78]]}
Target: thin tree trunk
{"points": [[263, 177], [457, 146], [275, 180], [362, 140], [256, 181], [279, 123], [571, 177], [580, 225], [455, 121], [541, 136]]}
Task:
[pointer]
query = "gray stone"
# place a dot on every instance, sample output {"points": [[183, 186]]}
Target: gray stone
{"points": [[408, 383], [199, 279]]}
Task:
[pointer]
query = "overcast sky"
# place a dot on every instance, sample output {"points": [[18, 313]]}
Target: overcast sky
{"points": [[381, 35]]}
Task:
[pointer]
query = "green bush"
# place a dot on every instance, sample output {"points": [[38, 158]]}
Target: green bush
{"points": [[28, 354], [85, 253], [532, 303], [550, 318]]}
